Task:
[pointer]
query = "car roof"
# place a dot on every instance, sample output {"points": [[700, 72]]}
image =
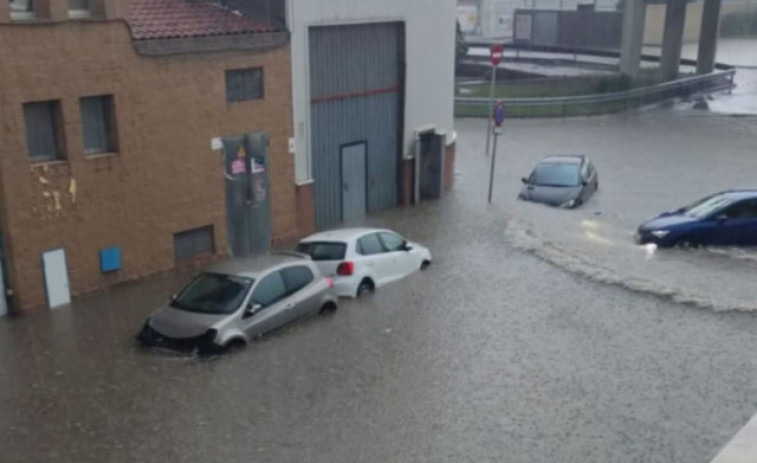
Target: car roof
{"points": [[341, 235], [564, 159], [252, 267], [738, 195]]}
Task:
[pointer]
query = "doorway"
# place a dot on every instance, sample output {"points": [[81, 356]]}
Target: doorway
{"points": [[354, 187], [56, 278], [430, 165]]}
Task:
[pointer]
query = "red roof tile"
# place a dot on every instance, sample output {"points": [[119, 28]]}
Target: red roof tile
{"points": [[169, 19]]}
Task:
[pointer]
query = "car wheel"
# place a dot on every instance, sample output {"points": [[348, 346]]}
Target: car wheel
{"points": [[366, 288], [687, 243], [234, 346], [425, 264], [328, 309]]}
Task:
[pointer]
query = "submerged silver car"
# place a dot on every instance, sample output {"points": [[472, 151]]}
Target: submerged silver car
{"points": [[240, 300]]}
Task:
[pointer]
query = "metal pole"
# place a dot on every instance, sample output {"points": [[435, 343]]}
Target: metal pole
{"points": [[490, 121], [494, 161]]}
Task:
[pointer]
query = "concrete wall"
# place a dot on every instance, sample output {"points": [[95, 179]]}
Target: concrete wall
{"points": [[164, 177], [430, 37], [656, 20]]}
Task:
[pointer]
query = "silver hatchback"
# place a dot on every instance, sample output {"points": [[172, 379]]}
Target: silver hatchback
{"points": [[240, 300]]}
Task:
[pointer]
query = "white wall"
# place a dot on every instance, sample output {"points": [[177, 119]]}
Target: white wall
{"points": [[430, 55]]}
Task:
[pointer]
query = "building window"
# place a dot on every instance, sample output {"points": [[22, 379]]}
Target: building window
{"points": [[44, 139], [244, 84], [193, 243], [22, 9], [98, 124], [79, 9]]}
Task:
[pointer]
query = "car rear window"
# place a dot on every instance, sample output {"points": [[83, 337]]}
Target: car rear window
{"points": [[323, 251]]}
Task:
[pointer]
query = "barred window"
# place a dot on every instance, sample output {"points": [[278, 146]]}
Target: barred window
{"points": [[244, 84]]}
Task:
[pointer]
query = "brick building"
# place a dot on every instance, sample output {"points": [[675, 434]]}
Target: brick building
{"points": [[135, 136]]}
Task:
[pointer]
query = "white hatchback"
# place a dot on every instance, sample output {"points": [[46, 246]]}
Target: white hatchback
{"points": [[363, 259]]}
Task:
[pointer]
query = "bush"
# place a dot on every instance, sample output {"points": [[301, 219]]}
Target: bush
{"points": [[614, 84], [739, 24]]}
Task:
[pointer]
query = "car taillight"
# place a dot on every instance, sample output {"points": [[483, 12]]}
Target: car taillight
{"points": [[330, 282], [345, 269]]}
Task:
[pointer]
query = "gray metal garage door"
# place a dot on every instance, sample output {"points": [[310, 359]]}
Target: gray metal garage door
{"points": [[356, 85]]}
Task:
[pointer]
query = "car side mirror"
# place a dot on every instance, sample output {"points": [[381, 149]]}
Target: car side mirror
{"points": [[584, 182], [524, 180], [173, 297], [252, 310], [407, 247]]}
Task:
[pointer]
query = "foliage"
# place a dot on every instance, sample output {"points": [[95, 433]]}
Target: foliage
{"points": [[739, 24]]}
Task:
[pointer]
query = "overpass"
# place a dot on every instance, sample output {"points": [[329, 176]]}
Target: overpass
{"points": [[634, 17]]}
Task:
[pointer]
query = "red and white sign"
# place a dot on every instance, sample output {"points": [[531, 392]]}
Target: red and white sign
{"points": [[237, 167], [496, 54]]}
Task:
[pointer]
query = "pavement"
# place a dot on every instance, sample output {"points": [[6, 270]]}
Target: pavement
{"points": [[493, 355]]}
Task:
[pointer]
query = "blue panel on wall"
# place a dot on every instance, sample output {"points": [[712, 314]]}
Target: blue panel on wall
{"points": [[110, 259]]}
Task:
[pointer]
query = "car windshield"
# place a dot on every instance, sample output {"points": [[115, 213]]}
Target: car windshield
{"points": [[556, 174], [213, 293], [707, 207], [323, 251]]}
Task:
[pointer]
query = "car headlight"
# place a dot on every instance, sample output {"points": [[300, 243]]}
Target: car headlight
{"points": [[568, 204], [660, 234]]}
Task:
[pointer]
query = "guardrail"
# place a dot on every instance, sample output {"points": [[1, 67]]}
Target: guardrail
{"points": [[599, 103]]}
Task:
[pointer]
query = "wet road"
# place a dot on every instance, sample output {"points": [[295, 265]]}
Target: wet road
{"points": [[493, 355]]}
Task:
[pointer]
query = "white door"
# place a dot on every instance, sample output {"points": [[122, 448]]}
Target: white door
{"points": [[399, 259], [56, 278], [3, 302]]}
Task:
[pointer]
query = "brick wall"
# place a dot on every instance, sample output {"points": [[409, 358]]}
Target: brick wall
{"points": [[449, 165], [164, 177]]}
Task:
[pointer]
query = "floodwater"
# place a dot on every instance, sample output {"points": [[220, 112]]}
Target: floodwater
{"points": [[492, 355]]}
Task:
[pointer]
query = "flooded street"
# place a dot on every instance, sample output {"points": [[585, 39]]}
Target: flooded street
{"points": [[493, 355]]}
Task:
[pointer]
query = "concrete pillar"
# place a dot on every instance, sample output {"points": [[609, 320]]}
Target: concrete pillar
{"points": [[708, 37], [672, 40], [634, 20]]}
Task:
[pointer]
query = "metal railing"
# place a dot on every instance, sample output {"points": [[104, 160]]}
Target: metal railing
{"points": [[721, 79]]}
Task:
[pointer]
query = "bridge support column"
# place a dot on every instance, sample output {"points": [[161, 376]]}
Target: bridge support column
{"points": [[708, 37], [672, 41], [634, 19]]}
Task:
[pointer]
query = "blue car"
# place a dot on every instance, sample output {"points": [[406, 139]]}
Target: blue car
{"points": [[728, 218]]}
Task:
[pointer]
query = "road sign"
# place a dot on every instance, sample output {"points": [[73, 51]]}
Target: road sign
{"points": [[499, 114], [496, 52]]}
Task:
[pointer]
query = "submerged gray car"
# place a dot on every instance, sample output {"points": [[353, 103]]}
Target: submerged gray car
{"points": [[240, 300], [565, 181]]}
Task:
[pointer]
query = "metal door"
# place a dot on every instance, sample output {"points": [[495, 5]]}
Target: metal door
{"points": [[3, 300], [431, 165], [353, 181], [56, 278], [356, 93], [248, 202]]}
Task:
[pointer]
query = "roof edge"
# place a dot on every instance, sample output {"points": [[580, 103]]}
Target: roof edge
{"points": [[244, 41]]}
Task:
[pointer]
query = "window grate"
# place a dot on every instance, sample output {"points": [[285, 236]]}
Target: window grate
{"points": [[244, 84], [193, 243]]}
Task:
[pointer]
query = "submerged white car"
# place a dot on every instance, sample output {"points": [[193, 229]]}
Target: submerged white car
{"points": [[363, 259]]}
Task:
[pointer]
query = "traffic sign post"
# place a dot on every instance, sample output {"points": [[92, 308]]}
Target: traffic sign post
{"points": [[495, 56], [498, 117]]}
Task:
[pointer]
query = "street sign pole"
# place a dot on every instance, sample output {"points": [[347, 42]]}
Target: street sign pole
{"points": [[496, 52], [494, 162], [498, 118]]}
